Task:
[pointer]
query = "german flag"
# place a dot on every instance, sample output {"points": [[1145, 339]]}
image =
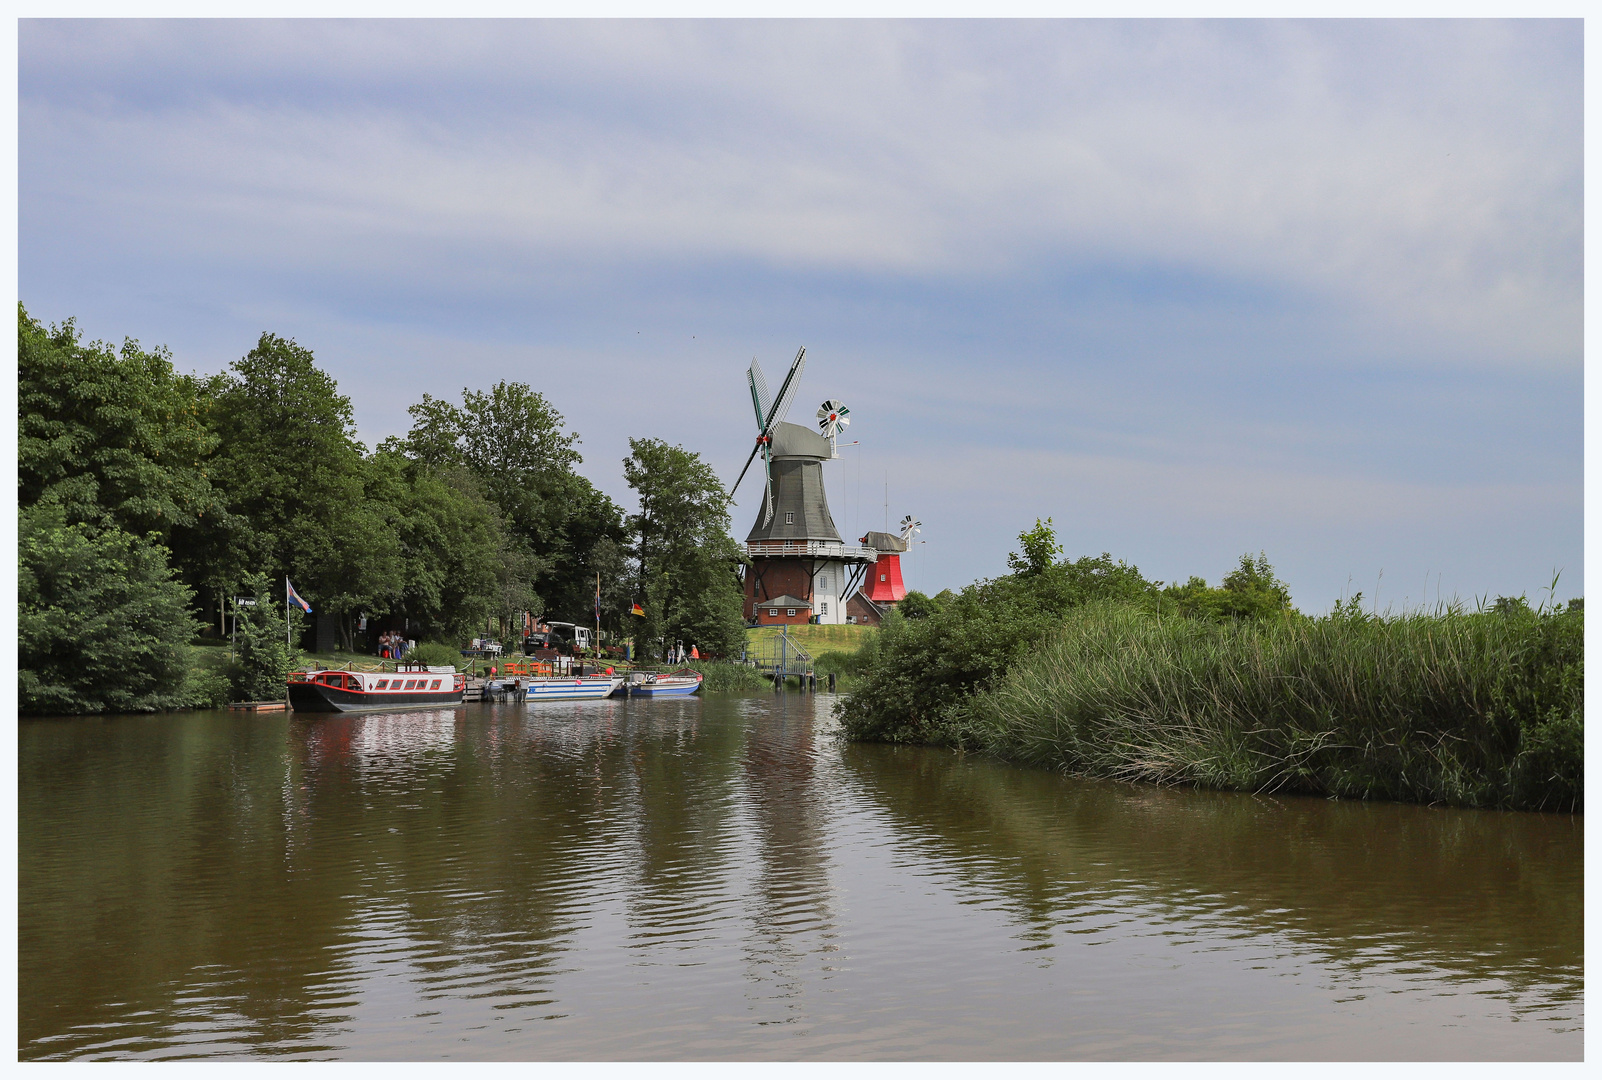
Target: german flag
{"points": [[637, 610]]}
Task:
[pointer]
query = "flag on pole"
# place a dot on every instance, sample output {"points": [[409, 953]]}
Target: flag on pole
{"points": [[295, 598], [638, 610]]}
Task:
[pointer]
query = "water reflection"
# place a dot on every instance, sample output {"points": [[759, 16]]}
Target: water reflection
{"points": [[722, 878], [1494, 898]]}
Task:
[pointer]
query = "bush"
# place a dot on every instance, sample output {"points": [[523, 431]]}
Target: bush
{"points": [[434, 654], [918, 669], [1482, 709], [718, 677], [103, 623], [264, 656]]}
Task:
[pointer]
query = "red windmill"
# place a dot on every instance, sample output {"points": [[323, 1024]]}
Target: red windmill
{"points": [[884, 586]]}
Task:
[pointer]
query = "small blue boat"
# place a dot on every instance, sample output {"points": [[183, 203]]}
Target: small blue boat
{"points": [[681, 683]]}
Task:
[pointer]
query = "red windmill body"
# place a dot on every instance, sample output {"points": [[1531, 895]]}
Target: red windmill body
{"points": [[884, 584]]}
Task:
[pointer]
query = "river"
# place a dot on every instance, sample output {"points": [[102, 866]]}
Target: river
{"points": [[725, 879]]}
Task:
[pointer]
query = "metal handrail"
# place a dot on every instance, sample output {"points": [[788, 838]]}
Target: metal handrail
{"points": [[826, 548]]}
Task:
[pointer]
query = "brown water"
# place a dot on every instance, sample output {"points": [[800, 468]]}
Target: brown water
{"points": [[723, 878]]}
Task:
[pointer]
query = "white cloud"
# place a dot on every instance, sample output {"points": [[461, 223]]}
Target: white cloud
{"points": [[1424, 178]]}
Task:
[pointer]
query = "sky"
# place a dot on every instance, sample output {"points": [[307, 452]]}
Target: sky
{"points": [[1189, 289]]}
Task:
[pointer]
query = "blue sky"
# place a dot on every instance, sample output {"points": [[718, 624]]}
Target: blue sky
{"points": [[1190, 289]]}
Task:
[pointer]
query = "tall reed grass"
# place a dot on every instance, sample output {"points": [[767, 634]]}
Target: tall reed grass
{"points": [[1468, 709]]}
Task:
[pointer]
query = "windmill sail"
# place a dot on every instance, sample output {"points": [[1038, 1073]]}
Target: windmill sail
{"points": [[761, 400], [787, 391], [767, 417]]}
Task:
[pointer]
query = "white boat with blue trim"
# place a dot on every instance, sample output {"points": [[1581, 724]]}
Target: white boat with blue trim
{"points": [[529, 688], [681, 683]]}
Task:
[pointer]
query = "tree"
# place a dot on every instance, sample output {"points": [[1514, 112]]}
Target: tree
{"points": [[265, 657], [1040, 550], [103, 623], [688, 563], [110, 438], [459, 562], [296, 484], [511, 440], [1250, 591]]}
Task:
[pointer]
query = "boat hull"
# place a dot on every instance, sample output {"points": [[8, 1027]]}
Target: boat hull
{"points": [[587, 688], [665, 687], [315, 697]]}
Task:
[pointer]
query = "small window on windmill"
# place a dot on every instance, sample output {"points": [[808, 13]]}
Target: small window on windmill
{"points": [[789, 517], [823, 609], [881, 577]]}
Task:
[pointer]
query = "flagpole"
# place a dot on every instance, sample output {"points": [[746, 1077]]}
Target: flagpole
{"points": [[288, 641]]}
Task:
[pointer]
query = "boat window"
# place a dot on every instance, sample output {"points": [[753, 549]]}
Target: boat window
{"points": [[411, 684], [434, 685], [381, 684]]}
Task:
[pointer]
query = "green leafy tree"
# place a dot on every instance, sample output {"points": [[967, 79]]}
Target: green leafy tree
{"points": [[103, 623], [1040, 550], [110, 437], [460, 562], [688, 563], [264, 656], [511, 439], [1250, 591], [296, 484]]}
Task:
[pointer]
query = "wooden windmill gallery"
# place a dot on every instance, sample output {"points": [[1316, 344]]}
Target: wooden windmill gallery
{"points": [[801, 570]]}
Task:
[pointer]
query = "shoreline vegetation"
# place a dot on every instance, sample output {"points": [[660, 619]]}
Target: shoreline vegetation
{"points": [[1086, 668], [157, 506]]}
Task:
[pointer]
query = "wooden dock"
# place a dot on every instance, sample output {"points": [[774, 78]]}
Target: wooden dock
{"points": [[259, 706]]}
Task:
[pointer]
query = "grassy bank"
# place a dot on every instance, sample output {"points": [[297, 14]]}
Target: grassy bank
{"points": [[1468, 709], [817, 640]]}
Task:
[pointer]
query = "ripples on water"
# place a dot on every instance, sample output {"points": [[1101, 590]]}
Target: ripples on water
{"points": [[723, 878]]}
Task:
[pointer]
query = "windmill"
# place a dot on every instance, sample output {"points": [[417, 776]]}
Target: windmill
{"points": [[799, 564], [882, 586]]}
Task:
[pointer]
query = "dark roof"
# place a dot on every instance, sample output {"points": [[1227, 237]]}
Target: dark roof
{"points": [[785, 601], [881, 541]]}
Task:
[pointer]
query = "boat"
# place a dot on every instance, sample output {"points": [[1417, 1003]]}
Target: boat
{"points": [[554, 688], [409, 686], [681, 683]]}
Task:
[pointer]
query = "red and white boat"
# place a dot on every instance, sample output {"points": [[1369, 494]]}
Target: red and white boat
{"points": [[410, 686]]}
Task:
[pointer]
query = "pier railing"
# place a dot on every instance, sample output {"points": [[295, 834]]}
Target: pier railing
{"points": [[825, 549], [778, 654]]}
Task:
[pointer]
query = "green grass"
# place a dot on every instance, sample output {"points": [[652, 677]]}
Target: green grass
{"points": [[817, 639], [1468, 709]]}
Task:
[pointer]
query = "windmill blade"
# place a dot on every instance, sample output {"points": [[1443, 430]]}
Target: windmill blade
{"points": [[748, 461], [767, 489], [781, 404], [761, 400]]}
